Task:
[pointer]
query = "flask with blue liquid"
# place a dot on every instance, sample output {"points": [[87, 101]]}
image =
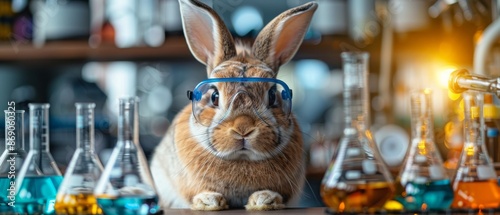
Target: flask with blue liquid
{"points": [[11, 159], [126, 186], [39, 178], [423, 183]]}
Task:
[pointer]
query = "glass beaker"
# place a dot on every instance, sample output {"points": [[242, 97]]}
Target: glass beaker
{"points": [[124, 187], [76, 193], [39, 177], [475, 184], [11, 159], [357, 179], [423, 183]]}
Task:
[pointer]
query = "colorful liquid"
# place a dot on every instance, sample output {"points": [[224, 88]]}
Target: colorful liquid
{"points": [[476, 194], [435, 195], [82, 203], [133, 205], [357, 197], [36, 195]]}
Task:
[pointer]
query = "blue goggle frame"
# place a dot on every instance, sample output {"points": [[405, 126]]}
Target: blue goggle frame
{"points": [[196, 95]]}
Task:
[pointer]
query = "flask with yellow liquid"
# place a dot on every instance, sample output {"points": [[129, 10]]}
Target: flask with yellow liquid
{"points": [[357, 179], [76, 194]]}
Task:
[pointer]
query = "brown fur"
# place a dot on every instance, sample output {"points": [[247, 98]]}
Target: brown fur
{"points": [[203, 175], [228, 177]]}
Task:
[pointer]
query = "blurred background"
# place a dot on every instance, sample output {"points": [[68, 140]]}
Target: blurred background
{"points": [[67, 51]]}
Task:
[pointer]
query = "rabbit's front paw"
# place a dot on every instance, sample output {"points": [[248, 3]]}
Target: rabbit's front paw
{"points": [[209, 201], [265, 200]]}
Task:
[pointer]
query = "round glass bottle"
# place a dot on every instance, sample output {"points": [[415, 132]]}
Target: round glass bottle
{"points": [[357, 178], [423, 183], [76, 194], [124, 187]]}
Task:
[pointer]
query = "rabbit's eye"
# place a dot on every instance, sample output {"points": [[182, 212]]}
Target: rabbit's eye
{"points": [[272, 97], [215, 98]]}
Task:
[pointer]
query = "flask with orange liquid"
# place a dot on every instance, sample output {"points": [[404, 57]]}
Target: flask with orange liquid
{"points": [[475, 185]]}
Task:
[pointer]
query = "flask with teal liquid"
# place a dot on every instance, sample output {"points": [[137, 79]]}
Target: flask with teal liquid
{"points": [[423, 184], [11, 159], [39, 178], [125, 186]]}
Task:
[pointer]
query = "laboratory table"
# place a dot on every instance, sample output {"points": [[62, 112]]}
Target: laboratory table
{"points": [[298, 211], [323, 211]]}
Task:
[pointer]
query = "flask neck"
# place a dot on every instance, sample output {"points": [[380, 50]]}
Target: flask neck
{"points": [[85, 127], [421, 115], [473, 118], [356, 97], [14, 130], [39, 127], [128, 129]]}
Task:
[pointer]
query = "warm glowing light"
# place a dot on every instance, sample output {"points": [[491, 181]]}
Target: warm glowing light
{"points": [[443, 75], [421, 147], [453, 96], [460, 110], [470, 149], [474, 112], [342, 206], [393, 205], [424, 207]]}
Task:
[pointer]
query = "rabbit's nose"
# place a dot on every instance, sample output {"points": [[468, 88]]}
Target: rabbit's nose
{"points": [[243, 127], [239, 134]]}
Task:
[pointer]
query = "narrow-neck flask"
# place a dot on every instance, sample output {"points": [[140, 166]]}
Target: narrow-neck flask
{"points": [[357, 179], [39, 177], [125, 187], [475, 184], [12, 158], [423, 183], [76, 194]]}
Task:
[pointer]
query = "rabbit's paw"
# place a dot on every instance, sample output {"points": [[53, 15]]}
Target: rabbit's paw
{"points": [[265, 200], [209, 201]]}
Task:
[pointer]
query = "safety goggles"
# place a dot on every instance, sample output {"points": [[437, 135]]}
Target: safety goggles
{"points": [[215, 99]]}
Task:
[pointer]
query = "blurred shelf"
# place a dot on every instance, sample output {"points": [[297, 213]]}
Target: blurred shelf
{"points": [[174, 48]]}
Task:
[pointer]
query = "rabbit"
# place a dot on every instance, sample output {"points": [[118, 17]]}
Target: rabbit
{"points": [[191, 166]]}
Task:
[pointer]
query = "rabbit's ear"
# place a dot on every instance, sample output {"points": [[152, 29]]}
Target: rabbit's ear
{"points": [[277, 43], [207, 37]]}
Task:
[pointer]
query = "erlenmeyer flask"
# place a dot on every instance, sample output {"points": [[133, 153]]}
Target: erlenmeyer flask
{"points": [[123, 188], [423, 183], [11, 159], [39, 177], [357, 178], [475, 184], [76, 194]]}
